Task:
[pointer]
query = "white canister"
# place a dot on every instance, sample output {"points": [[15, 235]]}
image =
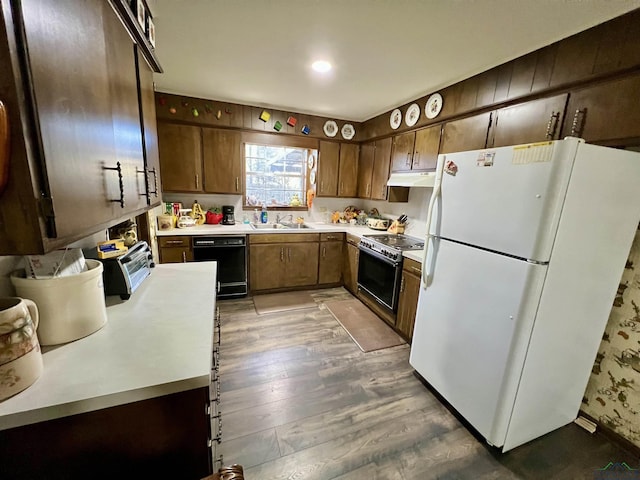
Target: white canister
{"points": [[70, 307], [20, 356]]}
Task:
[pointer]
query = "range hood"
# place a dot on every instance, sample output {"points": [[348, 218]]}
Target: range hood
{"points": [[412, 179]]}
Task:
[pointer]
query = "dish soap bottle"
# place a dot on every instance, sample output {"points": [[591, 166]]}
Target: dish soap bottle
{"points": [[256, 216], [263, 215]]}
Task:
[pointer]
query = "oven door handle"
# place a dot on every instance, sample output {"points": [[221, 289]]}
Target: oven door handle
{"points": [[378, 256]]}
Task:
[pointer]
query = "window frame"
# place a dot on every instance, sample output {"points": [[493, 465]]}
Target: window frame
{"points": [[278, 141]]}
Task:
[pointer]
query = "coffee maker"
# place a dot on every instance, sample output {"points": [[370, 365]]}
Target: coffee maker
{"points": [[228, 218]]}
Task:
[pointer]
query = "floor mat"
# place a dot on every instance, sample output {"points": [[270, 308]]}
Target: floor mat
{"points": [[366, 329], [281, 302]]}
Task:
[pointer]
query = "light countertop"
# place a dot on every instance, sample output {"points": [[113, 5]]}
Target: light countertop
{"points": [[244, 229], [156, 343]]}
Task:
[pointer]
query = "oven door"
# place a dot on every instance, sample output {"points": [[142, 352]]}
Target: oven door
{"points": [[379, 277]]}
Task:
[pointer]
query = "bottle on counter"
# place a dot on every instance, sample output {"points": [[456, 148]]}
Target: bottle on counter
{"points": [[264, 216], [256, 216]]}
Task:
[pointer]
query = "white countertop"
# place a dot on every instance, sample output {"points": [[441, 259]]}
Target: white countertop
{"points": [[417, 255], [156, 343], [243, 229]]}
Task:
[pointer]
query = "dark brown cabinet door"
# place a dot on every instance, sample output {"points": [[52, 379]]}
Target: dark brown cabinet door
{"points": [[301, 264], [72, 90], [149, 131], [328, 162], [348, 172], [408, 304], [605, 113], [176, 255], [180, 149], [529, 122], [330, 262], [466, 134], [381, 163], [351, 268], [267, 264], [425, 150], [222, 157], [365, 169], [127, 132], [402, 152]]}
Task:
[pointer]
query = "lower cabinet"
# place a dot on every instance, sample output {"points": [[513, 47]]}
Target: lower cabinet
{"points": [[278, 261], [408, 300], [176, 249], [331, 248], [350, 264], [162, 437]]}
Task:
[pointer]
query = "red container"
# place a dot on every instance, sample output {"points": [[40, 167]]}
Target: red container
{"points": [[213, 218]]}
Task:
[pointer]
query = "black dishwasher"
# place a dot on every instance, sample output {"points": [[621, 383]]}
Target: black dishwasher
{"points": [[231, 254]]}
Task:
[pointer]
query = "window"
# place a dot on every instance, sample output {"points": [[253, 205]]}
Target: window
{"points": [[276, 175]]}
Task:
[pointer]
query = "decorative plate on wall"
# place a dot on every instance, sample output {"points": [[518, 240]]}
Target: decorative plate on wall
{"points": [[312, 161], [348, 131], [433, 106], [396, 118], [312, 177], [412, 115], [330, 128]]}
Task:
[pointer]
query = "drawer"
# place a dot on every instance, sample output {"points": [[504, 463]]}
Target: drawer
{"points": [[353, 239], [177, 241], [411, 266], [283, 238], [332, 237]]}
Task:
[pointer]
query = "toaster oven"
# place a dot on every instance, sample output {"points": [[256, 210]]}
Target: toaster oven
{"points": [[124, 274]]}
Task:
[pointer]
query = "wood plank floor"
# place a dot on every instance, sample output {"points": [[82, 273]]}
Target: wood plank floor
{"points": [[301, 401]]}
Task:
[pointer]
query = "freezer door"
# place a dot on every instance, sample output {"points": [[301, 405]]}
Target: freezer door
{"points": [[472, 328], [506, 199]]}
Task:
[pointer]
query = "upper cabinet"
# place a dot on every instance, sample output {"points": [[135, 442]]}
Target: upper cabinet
{"points": [[194, 159], [76, 158], [365, 169], [348, 170], [328, 163], [337, 170], [527, 122], [604, 113], [425, 148], [180, 149], [149, 130], [466, 134], [402, 151], [222, 156], [373, 169], [416, 150]]}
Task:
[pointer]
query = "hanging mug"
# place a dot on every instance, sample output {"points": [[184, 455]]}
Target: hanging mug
{"points": [[20, 356]]}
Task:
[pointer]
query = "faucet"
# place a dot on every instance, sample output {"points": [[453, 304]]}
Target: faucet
{"points": [[278, 219]]}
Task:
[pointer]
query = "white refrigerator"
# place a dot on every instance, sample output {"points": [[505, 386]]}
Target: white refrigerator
{"points": [[524, 252]]}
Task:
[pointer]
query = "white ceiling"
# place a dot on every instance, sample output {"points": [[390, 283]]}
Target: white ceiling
{"points": [[385, 52]]}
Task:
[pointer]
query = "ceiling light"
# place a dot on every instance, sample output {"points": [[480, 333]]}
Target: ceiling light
{"points": [[321, 66]]}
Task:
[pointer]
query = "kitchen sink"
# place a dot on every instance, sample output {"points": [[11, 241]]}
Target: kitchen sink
{"points": [[296, 225], [268, 226], [279, 226]]}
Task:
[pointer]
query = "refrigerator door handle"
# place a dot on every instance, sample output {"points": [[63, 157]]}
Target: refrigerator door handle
{"points": [[427, 272], [434, 197]]}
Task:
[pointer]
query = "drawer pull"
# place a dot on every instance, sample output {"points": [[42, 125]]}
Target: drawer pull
{"points": [[416, 270], [184, 257], [174, 242], [578, 119], [552, 126], [118, 168]]}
